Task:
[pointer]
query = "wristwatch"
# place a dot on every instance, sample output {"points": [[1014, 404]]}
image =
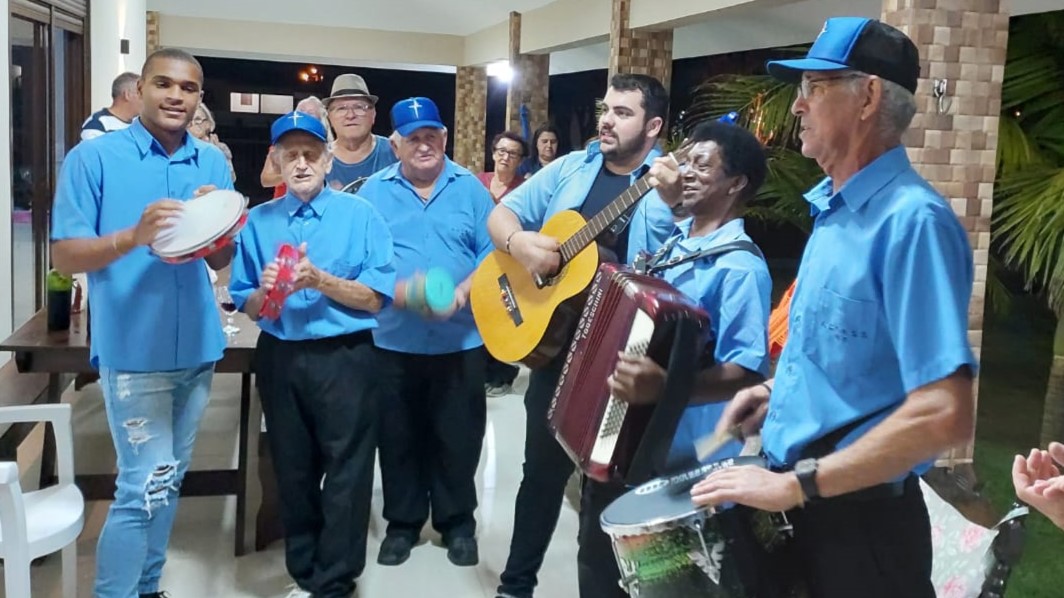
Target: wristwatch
{"points": [[806, 472]]}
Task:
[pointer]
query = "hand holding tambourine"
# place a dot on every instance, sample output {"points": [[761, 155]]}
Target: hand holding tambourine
{"points": [[179, 232]]}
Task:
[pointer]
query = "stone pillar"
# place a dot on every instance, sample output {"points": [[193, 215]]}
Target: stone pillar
{"points": [[530, 84], [470, 116], [953, 143], [638, 52], [153, 32]]}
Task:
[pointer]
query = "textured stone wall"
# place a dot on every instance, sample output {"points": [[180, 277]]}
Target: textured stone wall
{"points": [[530, 84], [470, 112], [152, 43], [636, 51], [954, 143]]}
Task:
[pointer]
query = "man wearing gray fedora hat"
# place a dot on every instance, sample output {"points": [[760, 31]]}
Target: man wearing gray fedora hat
{"points": [[357, 153]]}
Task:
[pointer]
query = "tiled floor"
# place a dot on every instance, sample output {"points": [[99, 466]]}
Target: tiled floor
{"points": [[201, 562]]}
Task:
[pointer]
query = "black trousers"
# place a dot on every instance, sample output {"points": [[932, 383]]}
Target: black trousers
{"points": [[432, 418], [547, 469], [873, 548], [499, 373], [320, 411], [598, 572]]}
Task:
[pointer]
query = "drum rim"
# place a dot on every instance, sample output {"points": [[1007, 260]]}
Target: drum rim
{"points": [[235, 218]]}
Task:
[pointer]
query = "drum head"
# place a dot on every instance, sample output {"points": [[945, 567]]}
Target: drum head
{"points": [[439, 290], [663, 500], [204, 220]]}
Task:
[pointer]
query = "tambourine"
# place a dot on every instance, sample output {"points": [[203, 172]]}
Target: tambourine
{"points": [[207, 223]]}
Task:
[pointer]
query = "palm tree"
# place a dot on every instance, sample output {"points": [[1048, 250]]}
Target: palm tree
{"points": [[1028, 222]]}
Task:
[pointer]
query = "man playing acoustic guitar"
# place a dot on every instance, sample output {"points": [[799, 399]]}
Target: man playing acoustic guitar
{"points": [[584, 181]]}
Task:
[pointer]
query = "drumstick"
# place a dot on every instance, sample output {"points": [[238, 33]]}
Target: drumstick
{"points": [[711, 443]]}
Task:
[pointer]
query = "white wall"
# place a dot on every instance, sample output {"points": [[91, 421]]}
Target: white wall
{"points": [[6, 275], [112, 21]]}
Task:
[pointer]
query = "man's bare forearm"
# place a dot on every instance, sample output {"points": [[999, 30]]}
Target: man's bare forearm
{"points": [[74, 256], [351, 293], [721, 382], [933, 419], [502, 222], [254, 304]]}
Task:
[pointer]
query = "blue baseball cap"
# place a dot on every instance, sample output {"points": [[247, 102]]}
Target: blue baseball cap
{"points": [[859, 43], [297, 121], [412, 114]]}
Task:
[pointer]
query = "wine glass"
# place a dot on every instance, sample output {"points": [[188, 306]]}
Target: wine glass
{"points": [[229, 307]]}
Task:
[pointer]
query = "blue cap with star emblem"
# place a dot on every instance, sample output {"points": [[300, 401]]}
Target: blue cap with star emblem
{"points": [[858, 43], [297, 121], [412, 114]]}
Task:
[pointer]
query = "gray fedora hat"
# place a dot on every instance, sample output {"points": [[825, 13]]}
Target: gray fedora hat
{"points": [[349, 86]]}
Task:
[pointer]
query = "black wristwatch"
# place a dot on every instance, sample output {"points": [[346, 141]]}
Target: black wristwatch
{"points": [[806, 472]]}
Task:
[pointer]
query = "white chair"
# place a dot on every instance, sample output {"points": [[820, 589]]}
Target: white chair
{"points": [[34, 524]]}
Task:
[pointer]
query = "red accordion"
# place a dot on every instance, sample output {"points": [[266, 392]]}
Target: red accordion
{"points": [[641, 315]]}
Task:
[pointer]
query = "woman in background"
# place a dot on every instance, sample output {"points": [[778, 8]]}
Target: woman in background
{"points": [[202, 128], [544, 150]]}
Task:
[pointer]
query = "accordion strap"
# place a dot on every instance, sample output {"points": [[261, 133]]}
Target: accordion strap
{"points": [[659, 263]]}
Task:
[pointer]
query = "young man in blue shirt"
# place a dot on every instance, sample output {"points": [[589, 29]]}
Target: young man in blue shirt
{"points": [[723, 172], [155, 327], [875, 380], [587, 181], [430, 368], [313, 364]]}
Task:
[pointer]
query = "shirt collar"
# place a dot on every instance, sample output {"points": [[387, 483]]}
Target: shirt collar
{"points": [[317, 205], [733, 230], [147, 142], [862, 186]]}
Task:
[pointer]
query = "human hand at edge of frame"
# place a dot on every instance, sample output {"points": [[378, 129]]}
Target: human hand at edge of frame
{"points": [[1038, 481], [637, 379], [747, 410]]}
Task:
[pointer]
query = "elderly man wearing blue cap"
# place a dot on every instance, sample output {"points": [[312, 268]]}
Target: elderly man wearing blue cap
{"points": [[876, 378], [313, 363], [430, 364]]}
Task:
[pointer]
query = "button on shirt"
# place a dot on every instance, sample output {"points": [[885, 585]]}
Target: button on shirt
{"points": [[880, 310], [345, 237], [146, 315], [448, 231], [734, 288], [564, 184]]}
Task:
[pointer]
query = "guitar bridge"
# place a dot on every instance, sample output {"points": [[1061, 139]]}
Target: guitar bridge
{"points": [[509, 301]]}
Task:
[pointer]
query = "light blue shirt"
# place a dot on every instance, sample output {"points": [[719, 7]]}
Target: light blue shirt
{"points": [[448, 231], [564, 184], [147, 315], [345, 237], [880, 310], [735, 289]]}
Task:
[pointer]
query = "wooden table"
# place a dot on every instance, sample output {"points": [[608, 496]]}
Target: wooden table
{"points": [[65, 353]]}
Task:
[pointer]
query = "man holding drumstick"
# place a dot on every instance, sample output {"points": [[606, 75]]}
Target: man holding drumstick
{"points": [[156, 330]]}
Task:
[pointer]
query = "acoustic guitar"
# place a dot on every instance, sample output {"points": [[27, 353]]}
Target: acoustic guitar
{"points": [[529, 319]]}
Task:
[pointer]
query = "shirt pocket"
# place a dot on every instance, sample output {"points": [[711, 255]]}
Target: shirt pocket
{"points": [[841, 334], [345, 269]]}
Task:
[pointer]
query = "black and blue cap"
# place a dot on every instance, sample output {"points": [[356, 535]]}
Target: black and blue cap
{"points": [[858, 43], [297, 121]]}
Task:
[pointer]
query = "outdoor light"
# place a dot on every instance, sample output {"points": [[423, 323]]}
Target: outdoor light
{"points": [[501, 70]]}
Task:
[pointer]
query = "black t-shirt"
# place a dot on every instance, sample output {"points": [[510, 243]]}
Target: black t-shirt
{"points": [[607, 187]]}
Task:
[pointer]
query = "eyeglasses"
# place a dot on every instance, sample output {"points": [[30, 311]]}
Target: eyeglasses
{"points": [[501, 152], [199, 120], [356, 109], [810, 87]]}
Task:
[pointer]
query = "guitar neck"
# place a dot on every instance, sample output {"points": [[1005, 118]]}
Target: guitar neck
{"points": [[607, 216]]}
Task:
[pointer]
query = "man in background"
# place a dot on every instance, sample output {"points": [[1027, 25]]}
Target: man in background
{"points": [[125, 106]]}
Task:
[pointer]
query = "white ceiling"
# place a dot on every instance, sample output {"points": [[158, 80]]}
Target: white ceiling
{"points": [[454, 17]]}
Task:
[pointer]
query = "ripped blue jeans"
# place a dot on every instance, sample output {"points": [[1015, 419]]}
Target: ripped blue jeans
{"points": [[153, 418]]}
